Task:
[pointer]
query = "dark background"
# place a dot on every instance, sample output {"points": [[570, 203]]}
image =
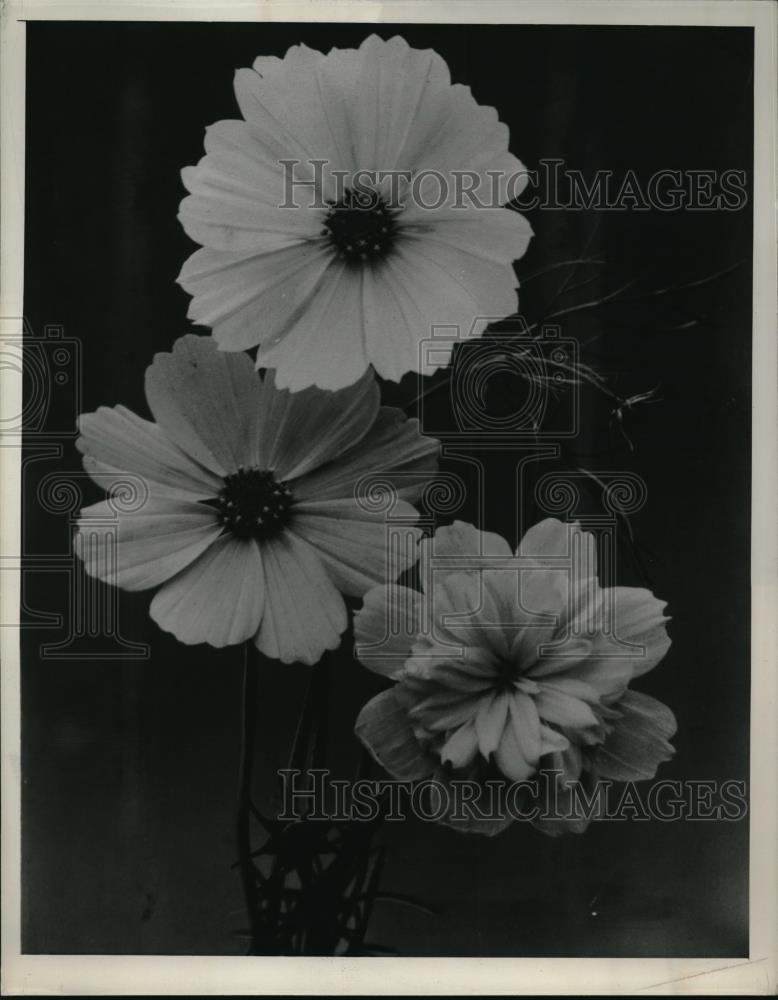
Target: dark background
{"points": [[129, 764]]}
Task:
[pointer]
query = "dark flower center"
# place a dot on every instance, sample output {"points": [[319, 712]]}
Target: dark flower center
{"points": [[253, 504], [507, 672], [510, 675], [360, 226]]}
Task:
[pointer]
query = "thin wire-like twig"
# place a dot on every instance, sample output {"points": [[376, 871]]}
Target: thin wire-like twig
{"points": [[591, 304], [700, 281], [556, 266], [571, 274]]}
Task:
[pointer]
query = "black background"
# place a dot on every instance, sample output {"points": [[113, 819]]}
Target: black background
{"points": [[129, 765]]}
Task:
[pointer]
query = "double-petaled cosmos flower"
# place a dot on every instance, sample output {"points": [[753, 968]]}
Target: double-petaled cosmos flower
{"points": [[356, 207], [509, 664], [251, 519]]}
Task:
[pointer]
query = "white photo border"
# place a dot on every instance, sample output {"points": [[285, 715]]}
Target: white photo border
{"points": [[169, 975]]}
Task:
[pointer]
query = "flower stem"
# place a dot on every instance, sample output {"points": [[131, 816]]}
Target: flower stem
{"points": [[245, 772], [309, 747]]}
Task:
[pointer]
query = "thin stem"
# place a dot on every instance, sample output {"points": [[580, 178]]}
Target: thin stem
{"points": [[699, 281], [320, 694], [554, 267], [308, 748], [245, 773], [585, 305], [570, 274]]}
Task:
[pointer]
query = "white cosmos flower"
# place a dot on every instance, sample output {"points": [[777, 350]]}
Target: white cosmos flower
{"points": [[251, 526], [329, 290], [481, 690]]}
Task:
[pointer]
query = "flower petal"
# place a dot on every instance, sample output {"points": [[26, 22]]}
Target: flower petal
{"points": [[304, 613], [638, 741], [526, 726], [359, 548], [509, 757], [559, 566], [458, 134], [624, 616], [572, 685], [569, 815], [529, 640], [451, 288], [218, 599], [496, 235], [490, 722], [564, 709], [468, 674], [465, 613], [294, 108], [392, 85], [395, 327], [552, 741], [207, 402], [608, 676], [562, 573], [566, 657], [325, 346], [143, 548], [443, 711], [301, 431], [486, 814], [237, 193], [383, 727], [393, 451], [114, 441], [251, 297], [551, 540], [385, 627], [636, 617], [471, 578], [460, 748], [456, 547]]}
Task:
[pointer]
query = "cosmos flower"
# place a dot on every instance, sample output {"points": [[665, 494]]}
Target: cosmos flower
{"points": [[251, 525], [507, 665], [356, 268]]}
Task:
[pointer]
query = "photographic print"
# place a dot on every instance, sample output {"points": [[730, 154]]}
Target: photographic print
{"points": [[386, 464]]}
